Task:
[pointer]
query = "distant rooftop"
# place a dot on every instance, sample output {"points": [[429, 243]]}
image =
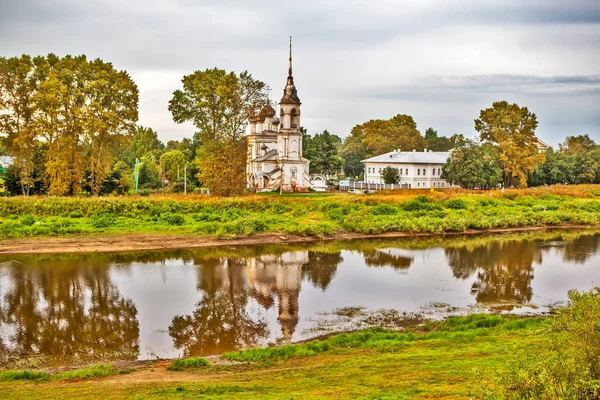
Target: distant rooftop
{"points": [[411, 157]]}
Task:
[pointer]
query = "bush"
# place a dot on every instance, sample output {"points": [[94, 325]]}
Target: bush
{"points": [[456, 204], [187, 363], [569, 367], [174, 219], [27, 220], [102, 221]]}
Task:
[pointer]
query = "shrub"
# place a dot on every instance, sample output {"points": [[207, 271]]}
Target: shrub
{"points": [[568, 367], [456, 204], [385, 209], [187, 363], [174, 219], [27, 220], [102, 221]]}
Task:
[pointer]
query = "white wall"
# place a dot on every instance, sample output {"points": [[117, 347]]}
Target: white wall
{"points": [[414, 178]]}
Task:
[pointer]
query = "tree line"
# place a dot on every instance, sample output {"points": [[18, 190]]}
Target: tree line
{"points": [[71, 125]]}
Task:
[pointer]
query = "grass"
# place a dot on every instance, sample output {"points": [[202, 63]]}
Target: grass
{"points": [[96, 371], [306, 214], [188, 363], [441, 360]]}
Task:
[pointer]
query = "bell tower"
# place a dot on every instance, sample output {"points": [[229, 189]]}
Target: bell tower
{"points": [[290, 135]]}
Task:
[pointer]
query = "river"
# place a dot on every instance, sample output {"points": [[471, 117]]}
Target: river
{"points": [[80, 308]]}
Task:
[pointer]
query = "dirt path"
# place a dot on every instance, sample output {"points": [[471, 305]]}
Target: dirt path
{"points": [[158, 241]]}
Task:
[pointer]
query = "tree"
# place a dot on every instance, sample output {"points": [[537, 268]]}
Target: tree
{"points": [[219, 105], [18, 84], [578, 144], [390, 175], [511, 129], [438, 143], [145, 143], [473, 166], [323, 152], [379, 136], [172, 164]]}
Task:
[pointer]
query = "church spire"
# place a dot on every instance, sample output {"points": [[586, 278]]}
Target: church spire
{"points": [[290, 95], [290, 67]]}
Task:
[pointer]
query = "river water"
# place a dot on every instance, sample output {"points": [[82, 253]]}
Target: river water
{"points": [[79, 308]]}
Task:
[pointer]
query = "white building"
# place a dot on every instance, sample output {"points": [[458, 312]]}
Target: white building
{"points": [[275, 144], [418, 169]]}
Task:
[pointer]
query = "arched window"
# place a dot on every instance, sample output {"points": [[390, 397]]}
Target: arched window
{"points": [[418, 171], [406, 171], [439, 171], [295, 118]]}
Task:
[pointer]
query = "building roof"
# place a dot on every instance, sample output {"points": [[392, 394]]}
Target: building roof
{"points": [[411, 157], [270, 154]]}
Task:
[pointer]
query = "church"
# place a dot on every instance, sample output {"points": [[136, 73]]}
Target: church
{"points": [[275, 145]]}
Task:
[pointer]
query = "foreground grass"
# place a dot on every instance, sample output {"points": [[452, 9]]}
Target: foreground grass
{"points": [[310, 215], [441, 361], [96, 371]]}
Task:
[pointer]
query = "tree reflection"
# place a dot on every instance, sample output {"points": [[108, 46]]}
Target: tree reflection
{"points": [[505, 271], [221, 321], [66, 312], [321, 268], [580, 249], [385, 258]]}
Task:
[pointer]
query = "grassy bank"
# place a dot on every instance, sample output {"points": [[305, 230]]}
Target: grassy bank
{"points": [[319, 216], [443, 359]]}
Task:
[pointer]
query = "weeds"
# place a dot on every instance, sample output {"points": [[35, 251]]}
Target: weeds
{"points": [[188, 363]]}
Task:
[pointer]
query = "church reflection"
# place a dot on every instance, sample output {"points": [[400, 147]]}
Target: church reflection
{"points": [[59, 313]]}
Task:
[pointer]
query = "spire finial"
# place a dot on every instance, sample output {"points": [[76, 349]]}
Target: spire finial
{"points": [[290, 67]]}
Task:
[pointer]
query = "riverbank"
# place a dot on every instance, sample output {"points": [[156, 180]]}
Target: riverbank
{"points": [[111, 242], [144, 223], [448, 359]]}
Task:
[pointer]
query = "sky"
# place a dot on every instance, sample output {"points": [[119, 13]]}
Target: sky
{"points": [[440, 61]]}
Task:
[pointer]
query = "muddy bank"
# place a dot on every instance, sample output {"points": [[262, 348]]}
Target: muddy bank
{"points": [[158, 241]]}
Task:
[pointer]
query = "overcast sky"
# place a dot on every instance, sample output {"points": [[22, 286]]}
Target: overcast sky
{"points": [[439, 61]]}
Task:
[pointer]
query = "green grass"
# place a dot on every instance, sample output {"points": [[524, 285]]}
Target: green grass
{"points": [[443, 360], [318, 215], [96, 371], [188, 363]]}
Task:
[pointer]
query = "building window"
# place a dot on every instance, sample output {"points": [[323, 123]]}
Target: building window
{"points": [[379, 170], [406, 171], [424, 172], [418, 171], [439, 171], [369, 169], [418, 184], [433, 171]]}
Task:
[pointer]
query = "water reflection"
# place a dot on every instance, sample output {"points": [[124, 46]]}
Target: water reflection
{"points": [[220, 322], [65, 312], [124, 306]]}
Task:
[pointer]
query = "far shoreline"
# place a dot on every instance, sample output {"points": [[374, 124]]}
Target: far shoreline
{"points": [[152, 241]]}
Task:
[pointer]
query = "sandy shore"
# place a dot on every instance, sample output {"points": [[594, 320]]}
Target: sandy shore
{"points": [[157, 241]]}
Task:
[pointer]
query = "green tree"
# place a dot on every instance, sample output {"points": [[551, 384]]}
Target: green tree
{"points": [[473, 166], [323, 152], [379, 136], [219, 104], [172, 164], [390, 175], [511, 129], [145, 143]]}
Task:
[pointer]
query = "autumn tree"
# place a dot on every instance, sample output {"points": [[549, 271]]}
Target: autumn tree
{"points": [[144, 143], [172, 164], [219, 104], [511, 129], [390, 175], [473, 166], [18, 84], [377, 137]]}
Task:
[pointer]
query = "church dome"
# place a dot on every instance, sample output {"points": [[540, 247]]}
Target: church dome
{"points": [[267, 112]]}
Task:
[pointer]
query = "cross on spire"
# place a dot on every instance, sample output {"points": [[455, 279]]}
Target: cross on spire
{"points": [[290, 67]]}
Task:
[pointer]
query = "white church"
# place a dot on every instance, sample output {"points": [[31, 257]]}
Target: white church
{"points": [[275, 145]]}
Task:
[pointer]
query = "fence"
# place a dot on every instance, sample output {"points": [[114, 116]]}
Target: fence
{"points": [[374, 186]]}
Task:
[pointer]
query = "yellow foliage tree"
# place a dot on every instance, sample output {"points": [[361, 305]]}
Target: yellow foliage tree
{"points": [[511, 129]]}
